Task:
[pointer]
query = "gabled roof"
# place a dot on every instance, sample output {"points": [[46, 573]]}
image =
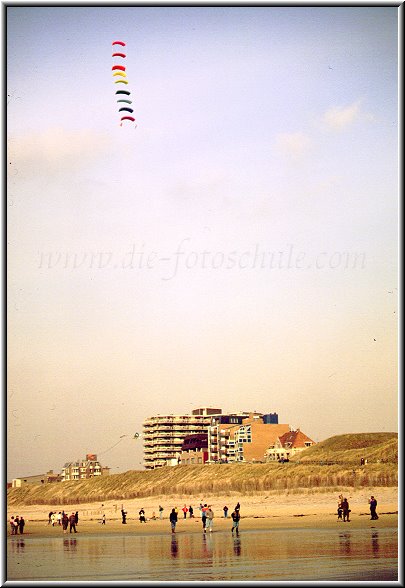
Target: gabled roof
{"points": [[294, 439]]}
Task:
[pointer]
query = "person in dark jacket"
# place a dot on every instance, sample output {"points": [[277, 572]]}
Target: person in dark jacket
{"points": [[65, 521], [72, 523], [345, 510], [22, 525], [173, 519], [76, 517], [235, 518], [142, 516], [373, 508]]}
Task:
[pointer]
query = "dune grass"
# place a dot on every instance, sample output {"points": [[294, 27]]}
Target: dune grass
{"points": [[331, 464]]}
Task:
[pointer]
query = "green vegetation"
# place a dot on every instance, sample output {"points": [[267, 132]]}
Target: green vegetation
{"points": [[330, 464]]}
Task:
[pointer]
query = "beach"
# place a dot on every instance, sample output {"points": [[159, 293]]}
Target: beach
{"points": [[258, 512]]}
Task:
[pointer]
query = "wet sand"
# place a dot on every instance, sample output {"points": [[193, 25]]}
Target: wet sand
{"points": [[258, 512]]}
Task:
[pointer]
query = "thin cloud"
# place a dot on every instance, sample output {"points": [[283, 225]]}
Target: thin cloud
{"points": [[339, 118]]}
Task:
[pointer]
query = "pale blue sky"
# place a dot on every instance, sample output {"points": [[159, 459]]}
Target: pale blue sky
{"points": [[259, 130]]}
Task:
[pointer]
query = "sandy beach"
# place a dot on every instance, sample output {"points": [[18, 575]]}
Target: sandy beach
{"points": [[264, 511]]}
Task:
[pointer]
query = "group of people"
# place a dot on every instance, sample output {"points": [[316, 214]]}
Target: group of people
{"points": [[207, 517], [344, 511], [64, 520], [17, 525]]}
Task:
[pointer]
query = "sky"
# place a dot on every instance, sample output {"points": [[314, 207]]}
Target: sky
{"points": [[235, 247]]}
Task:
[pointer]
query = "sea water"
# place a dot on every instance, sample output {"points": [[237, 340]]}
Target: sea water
{"points": [[265, 555]]}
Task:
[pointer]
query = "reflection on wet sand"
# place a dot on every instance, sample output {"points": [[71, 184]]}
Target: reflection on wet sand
{"points": [[344, 542], [18, 546], [236, 545], [292, 555], [70, 544], [374, 544], [174, 547]]}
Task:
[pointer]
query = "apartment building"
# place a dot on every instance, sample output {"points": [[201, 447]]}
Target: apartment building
{"points": [[194, 450], [84, 469], [243, 437], [288, 445], [163, 435]]}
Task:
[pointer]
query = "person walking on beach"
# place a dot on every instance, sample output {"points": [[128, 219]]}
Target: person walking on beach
{"points": [[16, 524], [346, 510], [124, 516], [339, 509], [191, 512], [226, 512], [204, 516], [72, 522], [210, 519], [142, 516], [103, 520], [161, 512], [12, 526], [373, 507], [235, 521], [185, 511], [21, 525], [50, 517], [53, 519], [65, 521], [76, 517], [173, 519]]}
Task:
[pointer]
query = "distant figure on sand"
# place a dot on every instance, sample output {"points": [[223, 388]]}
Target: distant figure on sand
{"points": [[103, 519], [237, 507], [124, 516], [373, 507], [142, 516], [191, 512], [76, 517], [161, 512], [173, 519], [185, 511], [65, 522], [346, 510], [22, 525], [226, 512], [235, 518]]}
